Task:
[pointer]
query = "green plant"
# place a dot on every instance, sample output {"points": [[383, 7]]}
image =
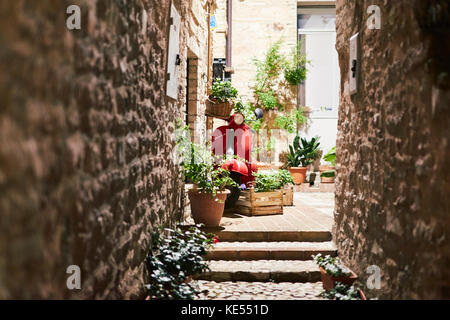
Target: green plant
{"points": [[175, 258], [272, 180], [303, 154], [200, 166], [285, 177], [266, 181], [295, 68], [290, 121], [223, 91], [342, 292], [331, 265], [268, 72], [328, 174], [331, 156]]}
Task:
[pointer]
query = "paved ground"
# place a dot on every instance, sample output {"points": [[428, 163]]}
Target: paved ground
{"points": [[312, 212], [258, 290]]}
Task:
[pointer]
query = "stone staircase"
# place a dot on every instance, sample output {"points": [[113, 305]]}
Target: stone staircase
{"points": [[268, 256]]}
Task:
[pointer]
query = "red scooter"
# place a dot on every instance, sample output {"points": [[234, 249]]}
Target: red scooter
{"points": [[235, 142]]}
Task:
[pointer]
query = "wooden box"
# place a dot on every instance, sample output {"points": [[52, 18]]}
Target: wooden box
{"points": [[288, 196], [253, 203]]}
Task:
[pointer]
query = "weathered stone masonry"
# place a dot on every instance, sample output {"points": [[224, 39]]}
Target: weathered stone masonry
{"points": [[392, 196], [85, 142]]}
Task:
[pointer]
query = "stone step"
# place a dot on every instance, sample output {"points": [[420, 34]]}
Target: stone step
{"points": [[270, 250], [267, 236], [262, 271]]}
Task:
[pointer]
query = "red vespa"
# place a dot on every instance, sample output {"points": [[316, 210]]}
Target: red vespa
{"points": [[235, 142]]}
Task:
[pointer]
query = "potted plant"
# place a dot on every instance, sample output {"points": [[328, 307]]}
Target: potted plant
{"points": [[300, 156], [174, 260], [203, 169], [221, 100], [344, 292], [328, 172], [264, 197], [332, 271]]}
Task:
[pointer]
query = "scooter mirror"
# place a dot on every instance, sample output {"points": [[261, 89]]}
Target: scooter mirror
{"points": [[259, 113]]}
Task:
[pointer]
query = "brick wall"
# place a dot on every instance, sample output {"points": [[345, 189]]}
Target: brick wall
{"points": [[392, 203], [85, 142]]}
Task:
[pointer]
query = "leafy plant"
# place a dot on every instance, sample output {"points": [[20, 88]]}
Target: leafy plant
{"points": [[290, 121], [342, 292], [272, 180], [223, 91], [268, 72], [331, 156], [267, 181], [303, 154], [285, 178], [328, 174], [331, 265], [175, 258], [200, 166], [295, 69]]}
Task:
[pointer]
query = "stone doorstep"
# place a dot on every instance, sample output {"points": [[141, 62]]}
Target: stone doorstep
{"points": [[292, 271], [260, 236], [271, 251]]}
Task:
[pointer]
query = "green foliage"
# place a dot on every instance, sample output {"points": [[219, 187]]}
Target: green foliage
{"points": [[200, 166], [223, 91], [328, 174], [342, 292], [304, 154], [331, 265], [290, 121], [248, 111], [272, 180], [331, 156], [295, 69], [173, 259], [268, 71], [285, 177], [268, 99]]}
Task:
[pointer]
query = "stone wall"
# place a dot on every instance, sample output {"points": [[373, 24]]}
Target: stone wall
{"points": [[392, 203], [86, 141]]}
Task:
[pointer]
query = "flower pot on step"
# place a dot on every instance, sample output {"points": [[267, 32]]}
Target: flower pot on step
{"points": [[329, 281], [298, 174], [206, 208]]}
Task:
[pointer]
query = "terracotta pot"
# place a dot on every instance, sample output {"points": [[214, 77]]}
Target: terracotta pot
{"points": [[326, 179], [362, 295], [329, 281], [207, 209], [299, 174]]}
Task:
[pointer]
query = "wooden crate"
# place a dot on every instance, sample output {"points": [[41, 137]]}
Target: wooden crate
{"points": [[253, 203], [288, 196]]}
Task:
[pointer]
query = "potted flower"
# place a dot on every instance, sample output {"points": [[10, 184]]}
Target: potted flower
{"points": [[300, 156], [332, 271], [221, 100], [328, 172]]}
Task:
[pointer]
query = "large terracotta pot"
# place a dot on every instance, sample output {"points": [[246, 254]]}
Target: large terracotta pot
{"points": [[299, 174], [326, 179], [207, 209]]}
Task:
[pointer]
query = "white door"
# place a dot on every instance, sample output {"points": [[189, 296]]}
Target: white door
{"points": [[320, 92]]}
